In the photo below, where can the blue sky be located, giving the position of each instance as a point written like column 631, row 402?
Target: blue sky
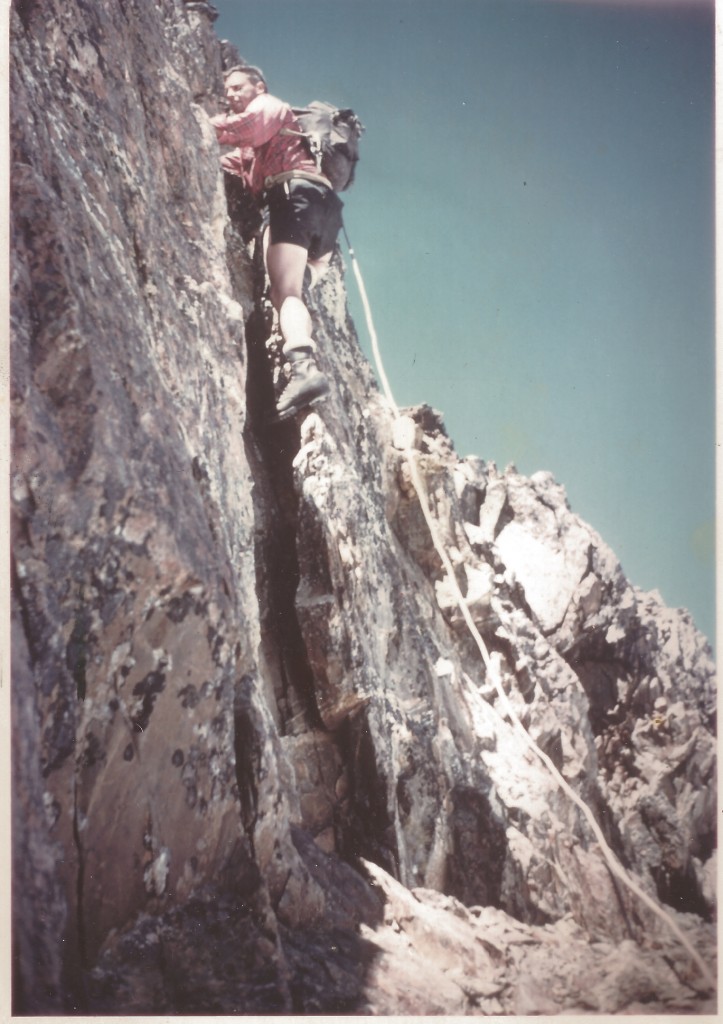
column 533, row 215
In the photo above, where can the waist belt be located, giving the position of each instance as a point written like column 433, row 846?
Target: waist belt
column 286, row 176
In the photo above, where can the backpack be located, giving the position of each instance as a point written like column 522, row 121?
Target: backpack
column 333, row 138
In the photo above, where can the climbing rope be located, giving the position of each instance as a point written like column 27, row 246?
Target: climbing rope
column 492, row 663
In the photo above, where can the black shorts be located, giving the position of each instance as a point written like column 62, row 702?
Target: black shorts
column 309, row 215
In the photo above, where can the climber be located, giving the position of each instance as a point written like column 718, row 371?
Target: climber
column 276, row 165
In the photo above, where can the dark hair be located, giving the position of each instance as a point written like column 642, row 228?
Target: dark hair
column 255, row 74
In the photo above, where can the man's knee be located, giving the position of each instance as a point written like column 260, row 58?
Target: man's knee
column 285, row 264
column 315, row 269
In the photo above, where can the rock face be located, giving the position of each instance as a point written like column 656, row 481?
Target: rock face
column 259, row 765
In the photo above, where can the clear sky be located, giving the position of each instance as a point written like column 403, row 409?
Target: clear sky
column 534, row 218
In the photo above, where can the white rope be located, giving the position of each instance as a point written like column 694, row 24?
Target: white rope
column 493, row 670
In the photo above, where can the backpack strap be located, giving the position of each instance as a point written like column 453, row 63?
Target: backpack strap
column 311, row 142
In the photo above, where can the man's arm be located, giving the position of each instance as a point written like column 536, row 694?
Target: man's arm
column 261, row 120
column 234, row 163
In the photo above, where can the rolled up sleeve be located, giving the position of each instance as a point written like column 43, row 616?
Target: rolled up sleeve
column 261, row 120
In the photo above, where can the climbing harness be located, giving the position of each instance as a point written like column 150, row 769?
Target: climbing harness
column 492, row 663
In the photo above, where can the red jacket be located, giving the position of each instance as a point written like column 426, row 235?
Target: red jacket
column 260, row 149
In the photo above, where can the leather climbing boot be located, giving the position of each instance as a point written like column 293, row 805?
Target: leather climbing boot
column 307, row 385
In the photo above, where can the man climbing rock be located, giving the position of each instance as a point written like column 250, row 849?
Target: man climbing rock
column 275, row 163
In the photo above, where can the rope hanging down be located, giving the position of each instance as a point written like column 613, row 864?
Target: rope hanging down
column 492, row 664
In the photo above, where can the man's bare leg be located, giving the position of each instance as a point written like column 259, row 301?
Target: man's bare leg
column 317, row 268
column 286, row 264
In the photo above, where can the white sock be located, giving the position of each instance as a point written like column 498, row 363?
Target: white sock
column 315, row 275
column 295, row 325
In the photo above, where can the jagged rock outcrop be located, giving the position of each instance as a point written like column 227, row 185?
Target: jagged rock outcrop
column 259, row 765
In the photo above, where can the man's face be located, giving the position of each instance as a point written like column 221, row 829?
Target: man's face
column 240, row 90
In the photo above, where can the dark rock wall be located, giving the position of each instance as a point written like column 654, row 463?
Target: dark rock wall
column 237, row 665
column 133, row 550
